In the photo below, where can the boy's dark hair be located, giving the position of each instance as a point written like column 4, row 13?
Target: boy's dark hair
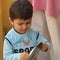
column 21, row 9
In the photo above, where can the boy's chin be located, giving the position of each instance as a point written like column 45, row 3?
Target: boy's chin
column 22, row 32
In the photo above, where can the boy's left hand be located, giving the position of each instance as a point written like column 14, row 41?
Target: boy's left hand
column 43, row 46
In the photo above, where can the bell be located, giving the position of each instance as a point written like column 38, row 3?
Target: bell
column 33, row 54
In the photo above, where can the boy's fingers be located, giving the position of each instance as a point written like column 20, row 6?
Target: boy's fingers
column 24, row 56
column 43, row 46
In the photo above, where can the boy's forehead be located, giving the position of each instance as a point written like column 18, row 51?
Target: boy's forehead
column 22, row 20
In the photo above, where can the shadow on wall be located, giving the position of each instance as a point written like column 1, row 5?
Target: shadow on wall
column 5, row 15
column 4, row 22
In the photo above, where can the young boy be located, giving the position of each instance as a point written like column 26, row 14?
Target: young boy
column 21, row 39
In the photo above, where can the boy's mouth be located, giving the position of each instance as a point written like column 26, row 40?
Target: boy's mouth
column 23, row 31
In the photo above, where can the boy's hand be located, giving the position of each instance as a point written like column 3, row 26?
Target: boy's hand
column 24, row 56
column 43, row 46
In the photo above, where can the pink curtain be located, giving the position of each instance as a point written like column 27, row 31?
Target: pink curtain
column 52, row 7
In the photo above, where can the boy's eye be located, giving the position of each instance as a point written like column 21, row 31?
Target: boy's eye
column 27, row 23
column 20, row 24
column 24, row 23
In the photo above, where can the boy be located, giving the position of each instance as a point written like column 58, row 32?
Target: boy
column 21, row 39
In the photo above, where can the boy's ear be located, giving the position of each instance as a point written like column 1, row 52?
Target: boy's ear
column 10, row 21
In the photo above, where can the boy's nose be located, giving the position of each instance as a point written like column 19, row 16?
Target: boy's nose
column 24, row 26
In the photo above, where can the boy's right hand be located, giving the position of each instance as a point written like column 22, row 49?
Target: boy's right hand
column 24, row 56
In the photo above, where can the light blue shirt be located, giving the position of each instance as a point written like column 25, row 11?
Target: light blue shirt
column 15, row 43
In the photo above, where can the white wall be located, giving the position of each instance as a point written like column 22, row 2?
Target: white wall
column 50, row 29
column 39, row 23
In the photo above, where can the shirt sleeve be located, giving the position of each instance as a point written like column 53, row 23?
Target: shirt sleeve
column 8, row 53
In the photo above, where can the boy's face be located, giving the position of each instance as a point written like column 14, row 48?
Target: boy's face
column 21, row 26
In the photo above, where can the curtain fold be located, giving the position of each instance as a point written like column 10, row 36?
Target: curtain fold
column 52, row 7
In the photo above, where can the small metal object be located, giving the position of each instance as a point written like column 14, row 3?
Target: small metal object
column 33, row 54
